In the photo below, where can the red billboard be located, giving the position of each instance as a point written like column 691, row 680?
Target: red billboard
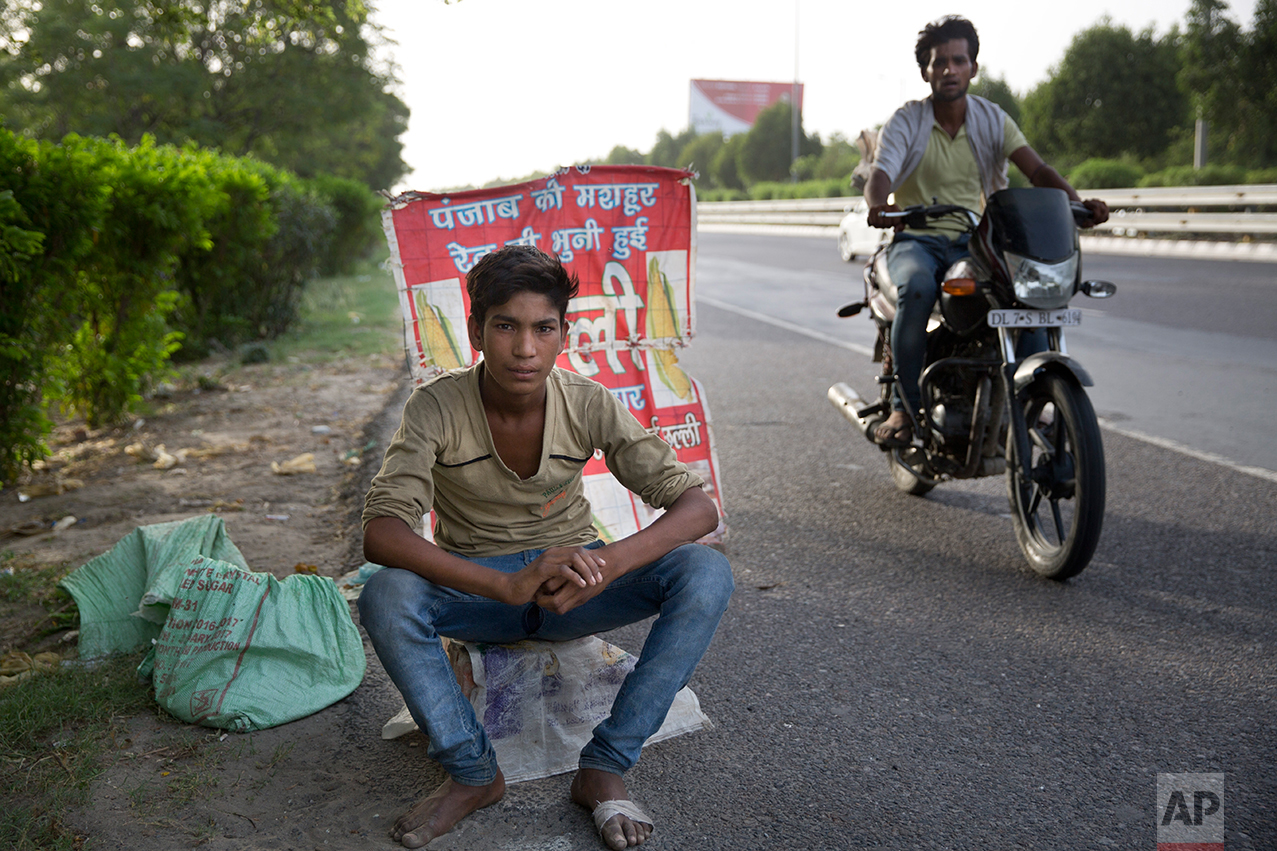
column 731, row 106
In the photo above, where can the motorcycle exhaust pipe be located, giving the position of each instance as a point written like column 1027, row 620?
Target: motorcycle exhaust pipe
column 848, row 402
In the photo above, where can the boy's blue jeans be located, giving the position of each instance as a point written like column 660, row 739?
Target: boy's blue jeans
column 405, row 615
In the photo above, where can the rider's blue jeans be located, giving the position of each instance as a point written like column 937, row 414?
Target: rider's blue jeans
column 405, row 615
column 917, row 264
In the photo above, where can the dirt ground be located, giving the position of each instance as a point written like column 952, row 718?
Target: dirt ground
column 327, row 781
column 308, row 784
column 223, row 437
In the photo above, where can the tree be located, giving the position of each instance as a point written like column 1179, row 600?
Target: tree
column 621, row 155
column 291, row 82
column 1231, row 77
column 768, row 147
column 1113, row 93
column 1259, row 72
column 667, row 148
column 997, row 90
column 723, row 166
column 837, row 159
column 699, row 153
column 1209, row 53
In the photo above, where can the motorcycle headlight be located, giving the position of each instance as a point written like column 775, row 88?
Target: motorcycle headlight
column 1044, row 285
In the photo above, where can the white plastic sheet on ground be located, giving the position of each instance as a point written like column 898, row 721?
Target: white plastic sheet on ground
column 539, row 701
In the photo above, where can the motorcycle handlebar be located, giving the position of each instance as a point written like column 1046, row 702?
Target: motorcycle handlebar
column 931, row 212
column 916, row 216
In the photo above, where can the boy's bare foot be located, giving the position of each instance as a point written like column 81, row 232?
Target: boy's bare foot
column 590, row 788
column 436, row 814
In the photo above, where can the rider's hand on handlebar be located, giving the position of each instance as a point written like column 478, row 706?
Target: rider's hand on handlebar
column 1099, row 212
column 876, row 221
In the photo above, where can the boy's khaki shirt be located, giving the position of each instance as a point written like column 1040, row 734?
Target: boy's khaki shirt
column 443, row 457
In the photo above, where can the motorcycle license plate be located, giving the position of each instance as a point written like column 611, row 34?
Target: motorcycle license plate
column 1035, row 318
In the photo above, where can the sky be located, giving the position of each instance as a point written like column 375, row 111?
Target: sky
column 499, row 89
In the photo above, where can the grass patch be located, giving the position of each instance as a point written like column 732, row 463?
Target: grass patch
column 189, row 768
column 54, row 731
column 55, row 725
column 23, row 581
column 355, row 315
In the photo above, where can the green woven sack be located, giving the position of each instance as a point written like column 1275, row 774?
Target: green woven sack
column 238, row 650
column 110, row 590
column 244, row 651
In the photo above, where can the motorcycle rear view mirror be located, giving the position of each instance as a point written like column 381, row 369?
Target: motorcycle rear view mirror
column 1099, row 289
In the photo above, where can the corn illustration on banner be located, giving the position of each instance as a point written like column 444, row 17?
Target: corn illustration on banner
column 629, row 235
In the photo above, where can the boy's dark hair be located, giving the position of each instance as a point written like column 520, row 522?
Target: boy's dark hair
column 506, row 272
column 945, row 29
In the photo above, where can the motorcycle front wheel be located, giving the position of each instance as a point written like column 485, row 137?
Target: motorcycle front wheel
column 1057, row 497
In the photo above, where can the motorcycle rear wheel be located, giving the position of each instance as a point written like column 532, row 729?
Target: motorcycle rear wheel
column 1057, row 498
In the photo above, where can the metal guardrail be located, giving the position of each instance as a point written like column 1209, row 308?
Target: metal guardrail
column 1190, row 196
column 1123, row 222
column 1130, row 216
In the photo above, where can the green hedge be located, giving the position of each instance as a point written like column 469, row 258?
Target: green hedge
column 721, row 195
column 112, row 259
column 268, row 233
column 1097, row 173
column 1213, row 174
column 836, row 187
column 358, row 225
column 55, row 210
column 1261, row 175
column 774, row 191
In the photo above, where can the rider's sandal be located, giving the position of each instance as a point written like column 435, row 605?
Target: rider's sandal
column 898, row 439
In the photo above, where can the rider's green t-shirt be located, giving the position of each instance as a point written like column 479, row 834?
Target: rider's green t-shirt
column 949, row 174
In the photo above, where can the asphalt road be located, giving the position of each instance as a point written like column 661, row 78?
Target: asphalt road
column 890, row 675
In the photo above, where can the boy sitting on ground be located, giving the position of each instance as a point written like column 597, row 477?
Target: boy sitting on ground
column 497, row 450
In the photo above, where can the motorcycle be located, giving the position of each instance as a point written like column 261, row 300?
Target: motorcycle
column 984, row 411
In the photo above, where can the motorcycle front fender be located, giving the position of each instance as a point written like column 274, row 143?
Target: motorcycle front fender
column 1029, row 369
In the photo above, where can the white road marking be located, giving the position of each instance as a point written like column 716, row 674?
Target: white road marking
column 1174, row 446
column 788, row 326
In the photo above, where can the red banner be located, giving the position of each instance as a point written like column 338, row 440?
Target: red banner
column 629, row 234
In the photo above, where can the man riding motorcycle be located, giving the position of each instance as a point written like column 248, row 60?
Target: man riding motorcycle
column 951, row 148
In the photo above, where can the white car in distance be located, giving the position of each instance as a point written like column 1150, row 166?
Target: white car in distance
column 855, row 237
